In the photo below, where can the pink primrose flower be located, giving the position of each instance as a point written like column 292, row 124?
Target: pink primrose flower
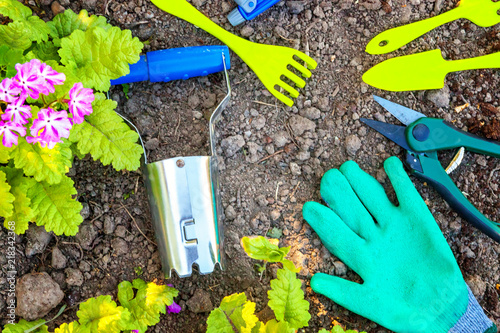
column 17, row 112
column 50, row 127
column 28, row 79
column 37, row 139
column 8, row 130
column 51, row 77
column 80, row 102
column 8, row 92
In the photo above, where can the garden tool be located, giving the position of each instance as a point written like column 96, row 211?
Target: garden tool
column 269, row 62
column 184, row 198
column 175, row 64
column 248, row 10
column 422, row 71
column 411, row 282
column 422, row 138
column 481, row 12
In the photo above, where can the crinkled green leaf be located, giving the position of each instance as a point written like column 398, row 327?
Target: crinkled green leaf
column 150, row 300
column 46, row 51
column 63, row 24
column 261, row 249
column 102, row 315
column 22, row 213
column 23, row 325
column 55, row 208
column 15, row 35
column 43, row 164
column 286, row 299
column 6, row 203
column 72, row 327
column 106, row 137
column 217, row 322
column 235, row 311
column 273, row 326
column 9, row 57
column 14, row 10
column 98, row 56
column 25, row 27
column 5, row 154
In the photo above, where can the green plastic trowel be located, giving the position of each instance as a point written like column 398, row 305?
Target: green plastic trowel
column 422, row 71
column 480, row 12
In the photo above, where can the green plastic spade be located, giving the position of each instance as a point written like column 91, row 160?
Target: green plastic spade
column 481, row 12
column 422, row 71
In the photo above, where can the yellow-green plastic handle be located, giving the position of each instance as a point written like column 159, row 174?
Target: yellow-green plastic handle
column 187, row 12
column 422, row 71
column 392, row 39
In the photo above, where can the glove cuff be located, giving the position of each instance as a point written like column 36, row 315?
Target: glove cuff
column 473, row 320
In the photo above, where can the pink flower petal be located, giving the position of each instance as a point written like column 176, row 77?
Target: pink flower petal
column 8, row 93
column 8, row 130
column 28, row 79
column 80, row 102
column 17, row 112
column 51, row 126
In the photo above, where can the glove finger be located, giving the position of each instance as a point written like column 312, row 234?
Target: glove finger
column 369, row 191
column 407, row 194
column 337, row 237
column 340, row 197
column 350, row 295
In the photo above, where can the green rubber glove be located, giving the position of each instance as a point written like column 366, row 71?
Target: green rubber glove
column 411, row 280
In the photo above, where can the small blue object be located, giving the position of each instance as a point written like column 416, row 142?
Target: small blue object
column 175, row 64
column 249, row 9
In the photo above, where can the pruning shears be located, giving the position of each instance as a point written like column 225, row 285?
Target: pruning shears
column 422, row 138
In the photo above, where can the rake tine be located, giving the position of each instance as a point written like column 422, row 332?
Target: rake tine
column 295, row 78
column 292, row 91
column 310, row 62
column 283, row 98
column 298, row 66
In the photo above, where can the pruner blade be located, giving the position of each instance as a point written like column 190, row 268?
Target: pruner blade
column 402, row 113
column 394, row 133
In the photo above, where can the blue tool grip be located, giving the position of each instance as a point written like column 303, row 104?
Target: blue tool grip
column 175, row 64
column 239, row 15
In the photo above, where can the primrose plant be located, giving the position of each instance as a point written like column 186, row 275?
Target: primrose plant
column 53, row 76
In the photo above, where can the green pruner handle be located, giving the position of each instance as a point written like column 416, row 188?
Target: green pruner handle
column 433, row 173
column 432, row 134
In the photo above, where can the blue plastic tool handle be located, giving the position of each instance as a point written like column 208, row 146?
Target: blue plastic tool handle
column 175, row 64
column 262, row 6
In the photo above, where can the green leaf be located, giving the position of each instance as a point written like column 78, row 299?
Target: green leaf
column 286, row 299
column 25, row 27
column 106, row 137
column 6, row 206
column 46, row 51
column 43, row 164
column 217, row 322
column 63, row 24
column 23, row 325
column 5, row 154
column 150, row 300
column 261, row 249
column 15, row 35
column 14, row 10
column 102, row 315
column 98, row 56
column 275, row 233
column 9, row 57
column 22, row 213
column 55, row 208
column 272, row 326
column 235, row 311
column 72, row 327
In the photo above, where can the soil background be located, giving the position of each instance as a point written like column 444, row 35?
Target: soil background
column 270, row 164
